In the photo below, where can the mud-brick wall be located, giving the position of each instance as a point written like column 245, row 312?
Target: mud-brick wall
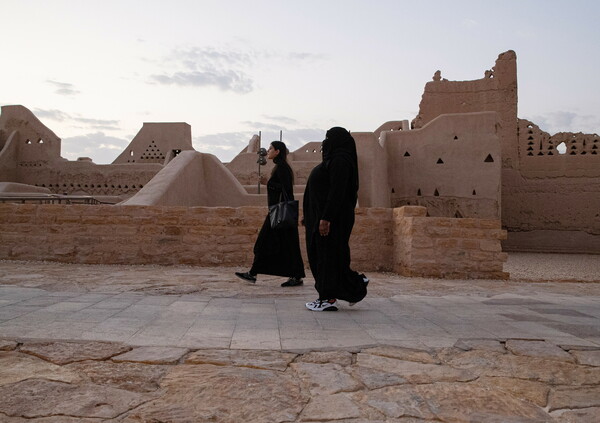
column 446, row 247
column 203, row 236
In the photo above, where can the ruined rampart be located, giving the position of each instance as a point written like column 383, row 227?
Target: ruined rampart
column 550, row 201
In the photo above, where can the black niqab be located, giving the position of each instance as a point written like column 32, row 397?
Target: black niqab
column 338, row 143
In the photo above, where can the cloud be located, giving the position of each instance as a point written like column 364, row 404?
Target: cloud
column 278, row 123
column 107, row 125
column 53, row 114
column 226, row 80
column 263, row 126
column 227, row 70
column 77, row 121
column 283, row 119
column 205, row 67
column 224, row 145
column 305, row 57
column 564, row 121
column 101, row 148
column 63, row 88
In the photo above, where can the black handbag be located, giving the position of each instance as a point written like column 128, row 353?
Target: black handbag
column 284, row 214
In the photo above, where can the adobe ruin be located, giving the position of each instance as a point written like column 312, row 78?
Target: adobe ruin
column 466, row 155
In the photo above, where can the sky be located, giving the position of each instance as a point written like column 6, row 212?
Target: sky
column 95, row 71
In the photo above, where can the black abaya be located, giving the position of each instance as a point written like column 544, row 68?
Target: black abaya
column 277, row 252
column 331, row 194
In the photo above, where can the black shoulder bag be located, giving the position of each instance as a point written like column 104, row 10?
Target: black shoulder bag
column 285, row 213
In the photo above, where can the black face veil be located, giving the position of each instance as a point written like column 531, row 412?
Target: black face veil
column 338, row 143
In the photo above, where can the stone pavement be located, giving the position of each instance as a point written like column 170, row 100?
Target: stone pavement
column 196, row 321
column 151, row 343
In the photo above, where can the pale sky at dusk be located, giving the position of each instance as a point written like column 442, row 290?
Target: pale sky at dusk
column 94, row 71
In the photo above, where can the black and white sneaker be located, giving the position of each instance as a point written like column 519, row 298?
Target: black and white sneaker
column 246, row 276
column 322, row 305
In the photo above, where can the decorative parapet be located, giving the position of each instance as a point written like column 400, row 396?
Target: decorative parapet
column 567, row 154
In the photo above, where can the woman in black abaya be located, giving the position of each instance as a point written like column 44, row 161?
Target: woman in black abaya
column 277, row 251
column 329, row 202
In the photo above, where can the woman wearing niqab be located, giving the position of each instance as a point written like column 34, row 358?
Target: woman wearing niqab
column 329, row 201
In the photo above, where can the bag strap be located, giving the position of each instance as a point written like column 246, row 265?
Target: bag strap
column 283, row 195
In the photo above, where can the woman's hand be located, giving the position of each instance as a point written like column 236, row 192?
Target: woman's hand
column 324, row 227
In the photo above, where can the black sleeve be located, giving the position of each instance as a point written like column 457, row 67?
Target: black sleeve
column 282, row 181
column 339, row 178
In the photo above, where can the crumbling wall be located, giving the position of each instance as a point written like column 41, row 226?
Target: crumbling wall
column 554, row 201
column 550, row 201
column 496, row 92
column 451, row 166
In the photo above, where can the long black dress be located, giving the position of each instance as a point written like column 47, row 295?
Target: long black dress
column 277, row 252
column 331, row 194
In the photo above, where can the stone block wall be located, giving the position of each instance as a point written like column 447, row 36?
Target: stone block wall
column 402, row 240
column 201, row 236
column 446, row 247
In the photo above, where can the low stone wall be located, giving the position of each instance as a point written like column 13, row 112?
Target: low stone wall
column 202, row 236
column 401, row 240
column 446, row 247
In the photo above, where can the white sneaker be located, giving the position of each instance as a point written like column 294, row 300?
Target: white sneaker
column 322, row 305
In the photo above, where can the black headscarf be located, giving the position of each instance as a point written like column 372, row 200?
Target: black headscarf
column 338, row 143
column 281, row 158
